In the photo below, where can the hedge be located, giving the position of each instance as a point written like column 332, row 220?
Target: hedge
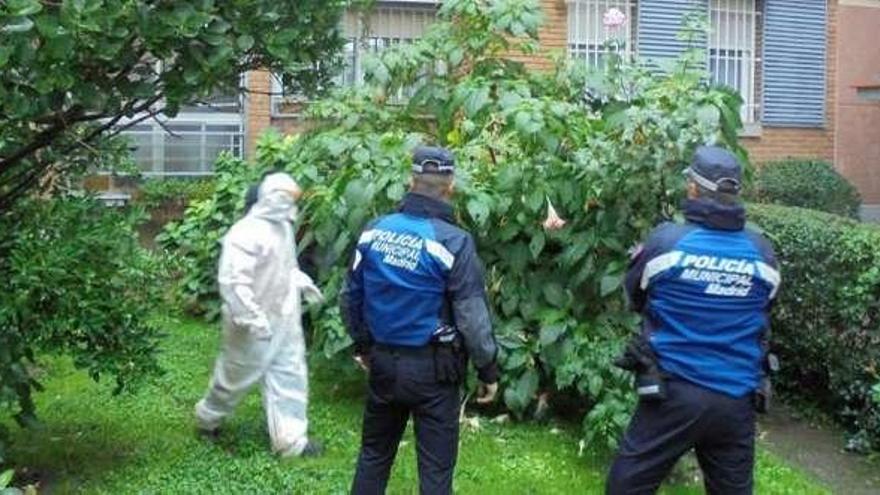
column 826, row 326
column 806, row 183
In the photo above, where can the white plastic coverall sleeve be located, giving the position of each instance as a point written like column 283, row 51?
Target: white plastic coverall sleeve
column 238, row 262
column 261, row 285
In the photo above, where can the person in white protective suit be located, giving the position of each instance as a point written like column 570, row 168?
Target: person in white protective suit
column 262, row 287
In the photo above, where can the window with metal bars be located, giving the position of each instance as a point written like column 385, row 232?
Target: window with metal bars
column 588, row 37
column 388, row 24
column 734, row 57
column 385, row 26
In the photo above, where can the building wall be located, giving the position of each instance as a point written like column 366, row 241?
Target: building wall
column 258, row 109
column 553, row 36
column 775, row 143
column 858, row 133
column 772, row 143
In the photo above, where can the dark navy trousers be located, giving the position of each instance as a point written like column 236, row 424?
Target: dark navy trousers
column 402, row 383
column 720, row 428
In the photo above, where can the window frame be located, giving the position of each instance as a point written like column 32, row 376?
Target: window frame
column 356, row 48
column 591, row 48
column 159, row 135
column 747, row 60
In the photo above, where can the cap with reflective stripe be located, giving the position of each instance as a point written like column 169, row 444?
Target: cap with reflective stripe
column 716, row 169
column 433, row 160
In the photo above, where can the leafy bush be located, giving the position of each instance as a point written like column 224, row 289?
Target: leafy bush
column 76, row 282
column 826, row 325
column 610, row 162
column 159, row 193
column 809, row 184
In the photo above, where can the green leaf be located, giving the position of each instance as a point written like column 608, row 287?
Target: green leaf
column 245, row 42
column 537, row 244
column 356, row 192
column 550, row 334
column 610, row 283
column 18, row 26
column 520, row 393
column 20, row 8
column 361, row 155
column 595, row 385
column 555, row 294
column 517, row 256
column 709, row 115
column 476, row 101
column 6, row 478
column 395, row 191
column 478, row 210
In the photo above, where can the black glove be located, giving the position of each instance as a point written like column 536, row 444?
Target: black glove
column 639, row 358
column 764, row 394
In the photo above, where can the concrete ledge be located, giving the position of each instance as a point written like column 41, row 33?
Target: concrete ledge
column 871, row 213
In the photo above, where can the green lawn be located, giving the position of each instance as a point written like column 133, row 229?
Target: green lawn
column 92, row 442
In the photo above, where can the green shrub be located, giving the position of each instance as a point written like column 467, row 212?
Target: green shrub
column 826, row 324
column 75, row 282
column 611, row 165
column 808, row 184
column 159, row 193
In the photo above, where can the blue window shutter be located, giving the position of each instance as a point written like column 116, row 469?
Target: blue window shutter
column 660, row 21
column 794, row 63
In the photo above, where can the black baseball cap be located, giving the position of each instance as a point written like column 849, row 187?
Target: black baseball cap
column 716, row 169
column 433, row 160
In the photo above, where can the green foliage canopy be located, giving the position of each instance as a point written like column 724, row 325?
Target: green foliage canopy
column 75, row 282
column 610, row 160
column 75, row 69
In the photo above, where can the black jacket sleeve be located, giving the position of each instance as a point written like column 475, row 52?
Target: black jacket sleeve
column 636, row 295
column 467, row 293
column 351, row 302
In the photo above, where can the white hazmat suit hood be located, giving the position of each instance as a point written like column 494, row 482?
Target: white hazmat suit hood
column 261, row 287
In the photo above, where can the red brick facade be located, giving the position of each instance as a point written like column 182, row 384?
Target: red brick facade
column 772, row 143
column 857, row 140
column 258, row 108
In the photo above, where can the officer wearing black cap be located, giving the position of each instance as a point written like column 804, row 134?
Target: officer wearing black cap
column 415, row 305
column 704, row 289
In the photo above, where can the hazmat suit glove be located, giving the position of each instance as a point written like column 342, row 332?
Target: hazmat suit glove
column 313, row 294
column 304, row 283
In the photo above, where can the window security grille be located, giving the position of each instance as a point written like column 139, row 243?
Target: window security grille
column 733, row 53
column 370, row 33
column 588, row 37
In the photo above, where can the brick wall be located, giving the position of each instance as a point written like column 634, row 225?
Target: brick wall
column 258, row 108
column 553, row 36
column 773, row 143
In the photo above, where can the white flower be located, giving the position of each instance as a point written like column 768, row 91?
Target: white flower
column 614, row 18
column 553, row 220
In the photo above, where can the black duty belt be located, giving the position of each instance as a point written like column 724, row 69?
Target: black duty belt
column 401, row 350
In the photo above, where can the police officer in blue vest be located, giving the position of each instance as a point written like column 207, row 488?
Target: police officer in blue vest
column 704, row 289
column 415, row 306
